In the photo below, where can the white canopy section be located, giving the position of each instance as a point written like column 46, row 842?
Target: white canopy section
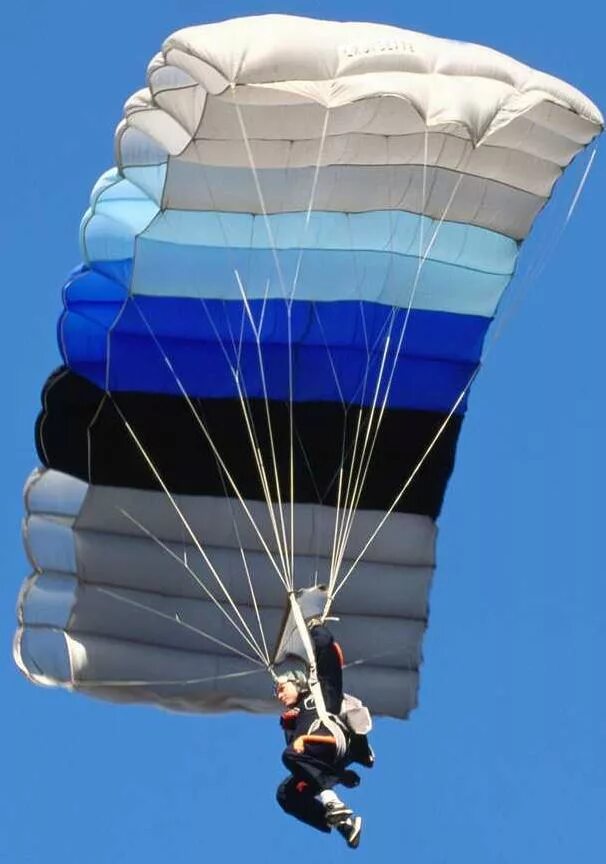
column 371, row 105
column 113, row 608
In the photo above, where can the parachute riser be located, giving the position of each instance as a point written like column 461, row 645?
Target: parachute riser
column 314, row 684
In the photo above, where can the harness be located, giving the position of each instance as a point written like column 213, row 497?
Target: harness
column 335, row 725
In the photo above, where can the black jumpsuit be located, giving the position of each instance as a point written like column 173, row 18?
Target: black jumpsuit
column 318, row 767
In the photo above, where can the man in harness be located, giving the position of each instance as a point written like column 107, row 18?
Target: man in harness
column 319, row 751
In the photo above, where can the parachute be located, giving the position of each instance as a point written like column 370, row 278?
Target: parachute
column 286, row 286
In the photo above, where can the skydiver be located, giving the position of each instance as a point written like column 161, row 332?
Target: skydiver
column 311, row 755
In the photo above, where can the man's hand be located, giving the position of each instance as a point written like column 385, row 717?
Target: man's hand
column 298, row 745
column 316, row 621
column 288, row 719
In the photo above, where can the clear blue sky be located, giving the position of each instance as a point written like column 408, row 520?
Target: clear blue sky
column 505, row 760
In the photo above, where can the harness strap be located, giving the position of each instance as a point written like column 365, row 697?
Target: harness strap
column 334, row 726
column 325, row 718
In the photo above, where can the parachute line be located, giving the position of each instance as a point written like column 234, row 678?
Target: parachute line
column 247, row 413
column 89, row 443
column 248, row 420
column 45, row 413
column 253, row 167
column 166, row 548
column 366, row 462
column 212, row 445
column 361, row 661
column 253, row 644
column 289, row 575
column 175, row 619
column 581, row 185
column 289, row 297
column 367, row 452
column 253, row 595
column 174, row 682
column 281, row 542
column 110, row 332
column 515, row 297
column 531, row 276
column 398, row 497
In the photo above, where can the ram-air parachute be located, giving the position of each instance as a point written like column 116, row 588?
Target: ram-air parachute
column 287, row 282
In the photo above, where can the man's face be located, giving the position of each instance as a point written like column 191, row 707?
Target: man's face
column 287, row 693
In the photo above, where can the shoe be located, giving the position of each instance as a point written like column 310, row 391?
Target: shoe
column 370, row 759
column 336, row 812
column 361, row 751
column 350, row 779
column 350, row 829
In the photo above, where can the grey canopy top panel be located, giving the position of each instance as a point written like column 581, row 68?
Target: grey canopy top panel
column 286, row 95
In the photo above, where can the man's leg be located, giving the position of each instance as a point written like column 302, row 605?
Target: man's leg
column 316, row 766
column 297, row 798
column 315, row 773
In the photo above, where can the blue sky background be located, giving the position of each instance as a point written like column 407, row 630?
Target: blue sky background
column 505, row 760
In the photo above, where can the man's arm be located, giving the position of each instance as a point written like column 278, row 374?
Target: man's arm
column 329, row 661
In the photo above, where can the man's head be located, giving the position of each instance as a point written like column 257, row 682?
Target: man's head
column 290, row 686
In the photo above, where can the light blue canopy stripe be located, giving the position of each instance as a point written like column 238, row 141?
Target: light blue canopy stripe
column 366, row 256
column 379, row 231
column 317, row 275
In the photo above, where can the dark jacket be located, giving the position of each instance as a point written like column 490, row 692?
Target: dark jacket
column 329, row 660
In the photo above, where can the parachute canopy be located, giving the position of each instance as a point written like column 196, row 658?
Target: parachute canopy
column 286, row 285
